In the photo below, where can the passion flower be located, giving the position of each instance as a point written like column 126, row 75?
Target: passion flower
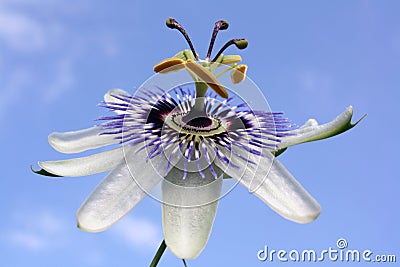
column 188, row 139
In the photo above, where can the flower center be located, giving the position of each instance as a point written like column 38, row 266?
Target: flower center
column 188, row 123
column 192, row 132
column 199, row 122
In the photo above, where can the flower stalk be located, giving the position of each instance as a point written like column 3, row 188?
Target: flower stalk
column 158, row 255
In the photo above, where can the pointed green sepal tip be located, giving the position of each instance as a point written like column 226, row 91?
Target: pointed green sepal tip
column 241, row 43
column 44, row 172
column 312, row 131
column 276, row 153
column 347, row 125
column 351, row 125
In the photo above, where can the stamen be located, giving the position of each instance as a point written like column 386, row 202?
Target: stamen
column 169, row 65
column 238, row 74
column 239, row 43
column 207, row 77
column 219, row 25
column 173, row 24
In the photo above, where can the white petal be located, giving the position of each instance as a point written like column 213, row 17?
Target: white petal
column 273, row 184
column 91, row 138
column 109, row 98
column 82, row 140
column 311, row 131
column 100, row 162
column 120, row 191
column 189, row 208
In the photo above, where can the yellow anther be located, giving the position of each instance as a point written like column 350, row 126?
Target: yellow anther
column 169, row 65
column 238, row 74
column 207, row 77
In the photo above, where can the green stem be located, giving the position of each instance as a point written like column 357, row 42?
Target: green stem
column 158, row 255
column 201, row 89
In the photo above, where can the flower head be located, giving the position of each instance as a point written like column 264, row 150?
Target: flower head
column 177, row 133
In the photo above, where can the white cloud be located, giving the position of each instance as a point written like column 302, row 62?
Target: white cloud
column 21, row 83
column 26, row 239
column 37, row 231
column 316, row 89
column 39, row 60
column 21, row 32
column 21, row 35
column 50, row 5
column 313, row 80
column 139, row 233
column 12, row 89
column 94, row 258
column 62, row 81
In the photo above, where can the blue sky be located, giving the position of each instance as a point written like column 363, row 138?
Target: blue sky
column 310, row 58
